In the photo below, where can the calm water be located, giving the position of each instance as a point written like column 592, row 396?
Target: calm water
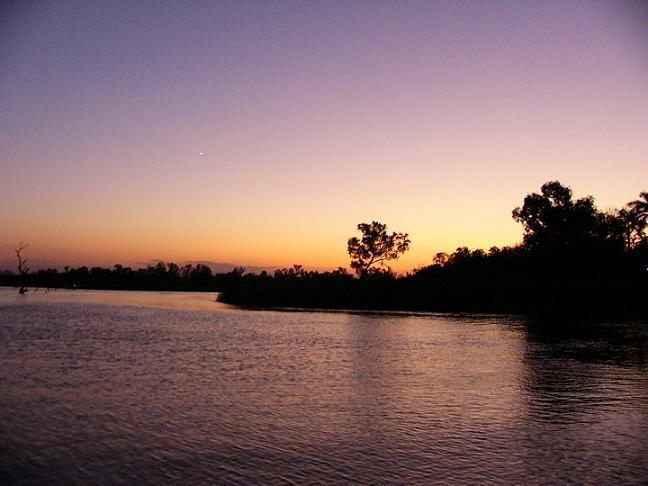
column 106, row 387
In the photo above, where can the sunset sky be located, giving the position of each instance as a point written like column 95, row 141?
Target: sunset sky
column 261, row 133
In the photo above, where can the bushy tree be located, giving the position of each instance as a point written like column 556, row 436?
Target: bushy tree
column 375, row 247
column 554, row 222
column 552, row 219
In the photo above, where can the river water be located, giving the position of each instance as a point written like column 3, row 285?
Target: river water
column 132, row 387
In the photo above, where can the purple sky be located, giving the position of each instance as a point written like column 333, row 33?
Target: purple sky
column 433, row 117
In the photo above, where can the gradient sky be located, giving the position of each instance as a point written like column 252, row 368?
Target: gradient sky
column 436, row 118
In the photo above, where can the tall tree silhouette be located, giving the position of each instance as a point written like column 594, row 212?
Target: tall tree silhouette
column 553, row 220
column 375, row 247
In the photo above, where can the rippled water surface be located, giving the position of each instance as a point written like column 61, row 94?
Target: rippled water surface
column 105, row 387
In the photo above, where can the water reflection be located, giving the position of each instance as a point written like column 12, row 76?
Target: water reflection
column 576, row 385
column 162, row 299
column 146, row 389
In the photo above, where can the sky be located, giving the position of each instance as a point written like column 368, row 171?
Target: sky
column 261, row 133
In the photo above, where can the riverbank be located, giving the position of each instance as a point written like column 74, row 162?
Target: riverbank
column 585, row 297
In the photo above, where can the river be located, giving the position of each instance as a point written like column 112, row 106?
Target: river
column 130, row 387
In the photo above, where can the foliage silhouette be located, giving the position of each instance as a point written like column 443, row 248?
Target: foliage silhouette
column 552, row 221
column 574, row 260
column 375, row 247
column 635, row 221
column 162, row 276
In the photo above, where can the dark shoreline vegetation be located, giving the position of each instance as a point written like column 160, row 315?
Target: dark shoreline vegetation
column 574, row 260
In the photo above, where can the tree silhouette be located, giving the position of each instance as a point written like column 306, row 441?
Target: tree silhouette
column 640, row 205
column 553, row 220
column 636, row 220
column 376, row 246
column 23, row 269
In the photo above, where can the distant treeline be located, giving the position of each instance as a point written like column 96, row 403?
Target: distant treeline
column 162, row 276
column 574, row 259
